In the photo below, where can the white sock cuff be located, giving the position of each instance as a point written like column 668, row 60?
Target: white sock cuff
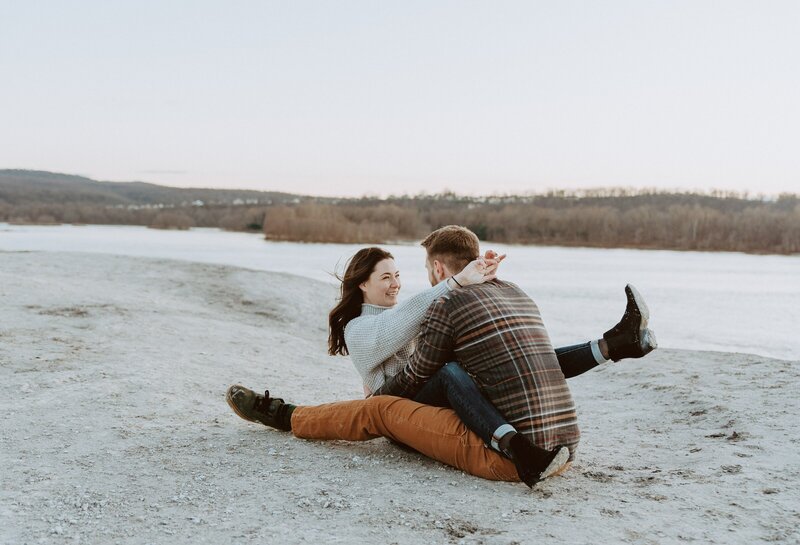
column 499, row 433
column 598, row 356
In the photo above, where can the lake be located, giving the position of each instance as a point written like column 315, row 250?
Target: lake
column 698, row 300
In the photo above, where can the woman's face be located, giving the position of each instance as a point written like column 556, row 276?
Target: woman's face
column 383, row 284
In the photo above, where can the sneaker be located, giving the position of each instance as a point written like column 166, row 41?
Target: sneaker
column 630, row 338
column 270, row 411
column 535, row 464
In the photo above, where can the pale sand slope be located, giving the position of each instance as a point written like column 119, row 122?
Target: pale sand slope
column 114, row 428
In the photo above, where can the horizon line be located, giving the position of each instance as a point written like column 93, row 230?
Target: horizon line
column 569, row 192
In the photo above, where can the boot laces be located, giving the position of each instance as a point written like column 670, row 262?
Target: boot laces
column 264, row 404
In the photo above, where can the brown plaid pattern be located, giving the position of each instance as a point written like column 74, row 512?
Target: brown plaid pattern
column 495, row 331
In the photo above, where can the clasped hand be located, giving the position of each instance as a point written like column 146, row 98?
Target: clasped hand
column 481, row 269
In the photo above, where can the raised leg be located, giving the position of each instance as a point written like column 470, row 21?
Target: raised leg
column 576, row 359
column 630, row 338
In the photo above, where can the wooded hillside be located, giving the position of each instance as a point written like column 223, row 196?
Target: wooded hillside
column 609, row 218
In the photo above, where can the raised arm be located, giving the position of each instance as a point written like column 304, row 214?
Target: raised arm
column 371, row 339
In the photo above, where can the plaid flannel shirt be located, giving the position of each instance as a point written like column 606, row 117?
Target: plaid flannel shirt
column 495, row 332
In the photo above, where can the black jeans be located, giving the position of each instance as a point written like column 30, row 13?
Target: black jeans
column 452, row 387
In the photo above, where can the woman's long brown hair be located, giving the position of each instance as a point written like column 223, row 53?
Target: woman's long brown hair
column 351, row 298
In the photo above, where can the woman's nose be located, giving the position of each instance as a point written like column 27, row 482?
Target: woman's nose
column 395, row 283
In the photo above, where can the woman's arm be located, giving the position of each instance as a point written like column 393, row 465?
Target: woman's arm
column 372, row 339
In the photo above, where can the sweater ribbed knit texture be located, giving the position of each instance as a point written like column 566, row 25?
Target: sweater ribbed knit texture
column 381, row 340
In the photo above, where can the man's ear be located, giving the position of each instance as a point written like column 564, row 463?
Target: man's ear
column 438, row 268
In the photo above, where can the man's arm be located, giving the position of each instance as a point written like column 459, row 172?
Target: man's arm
column 434, row 349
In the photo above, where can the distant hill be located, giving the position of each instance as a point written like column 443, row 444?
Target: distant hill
column 603, row 218
column 24, row 187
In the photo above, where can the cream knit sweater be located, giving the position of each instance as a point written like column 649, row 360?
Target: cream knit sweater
column 381, row 339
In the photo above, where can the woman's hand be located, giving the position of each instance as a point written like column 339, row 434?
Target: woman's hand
column 480, row 270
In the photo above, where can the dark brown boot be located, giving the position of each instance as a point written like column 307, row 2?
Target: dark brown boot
column 630, row 338
column 273, row 412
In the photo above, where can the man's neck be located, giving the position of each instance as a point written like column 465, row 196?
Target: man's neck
column 445, row 274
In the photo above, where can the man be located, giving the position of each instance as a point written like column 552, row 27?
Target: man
column 495, row 332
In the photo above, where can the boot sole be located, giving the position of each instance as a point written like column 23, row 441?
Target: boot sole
column 556, row 464
column 649, row 341
column 233, row 406
column 563, row 469
column 638, row 300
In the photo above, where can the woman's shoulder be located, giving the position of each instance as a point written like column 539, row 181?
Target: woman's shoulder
column 356, row 324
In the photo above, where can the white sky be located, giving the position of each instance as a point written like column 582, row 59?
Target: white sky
column 348, row 98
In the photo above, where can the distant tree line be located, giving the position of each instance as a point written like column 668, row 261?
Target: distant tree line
column 231, row 217
column 600, row 218
column 620, row 220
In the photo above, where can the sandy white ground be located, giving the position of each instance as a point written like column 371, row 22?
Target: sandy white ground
column 114, row 428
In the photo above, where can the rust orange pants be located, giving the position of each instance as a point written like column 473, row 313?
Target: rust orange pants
column 434, row 431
